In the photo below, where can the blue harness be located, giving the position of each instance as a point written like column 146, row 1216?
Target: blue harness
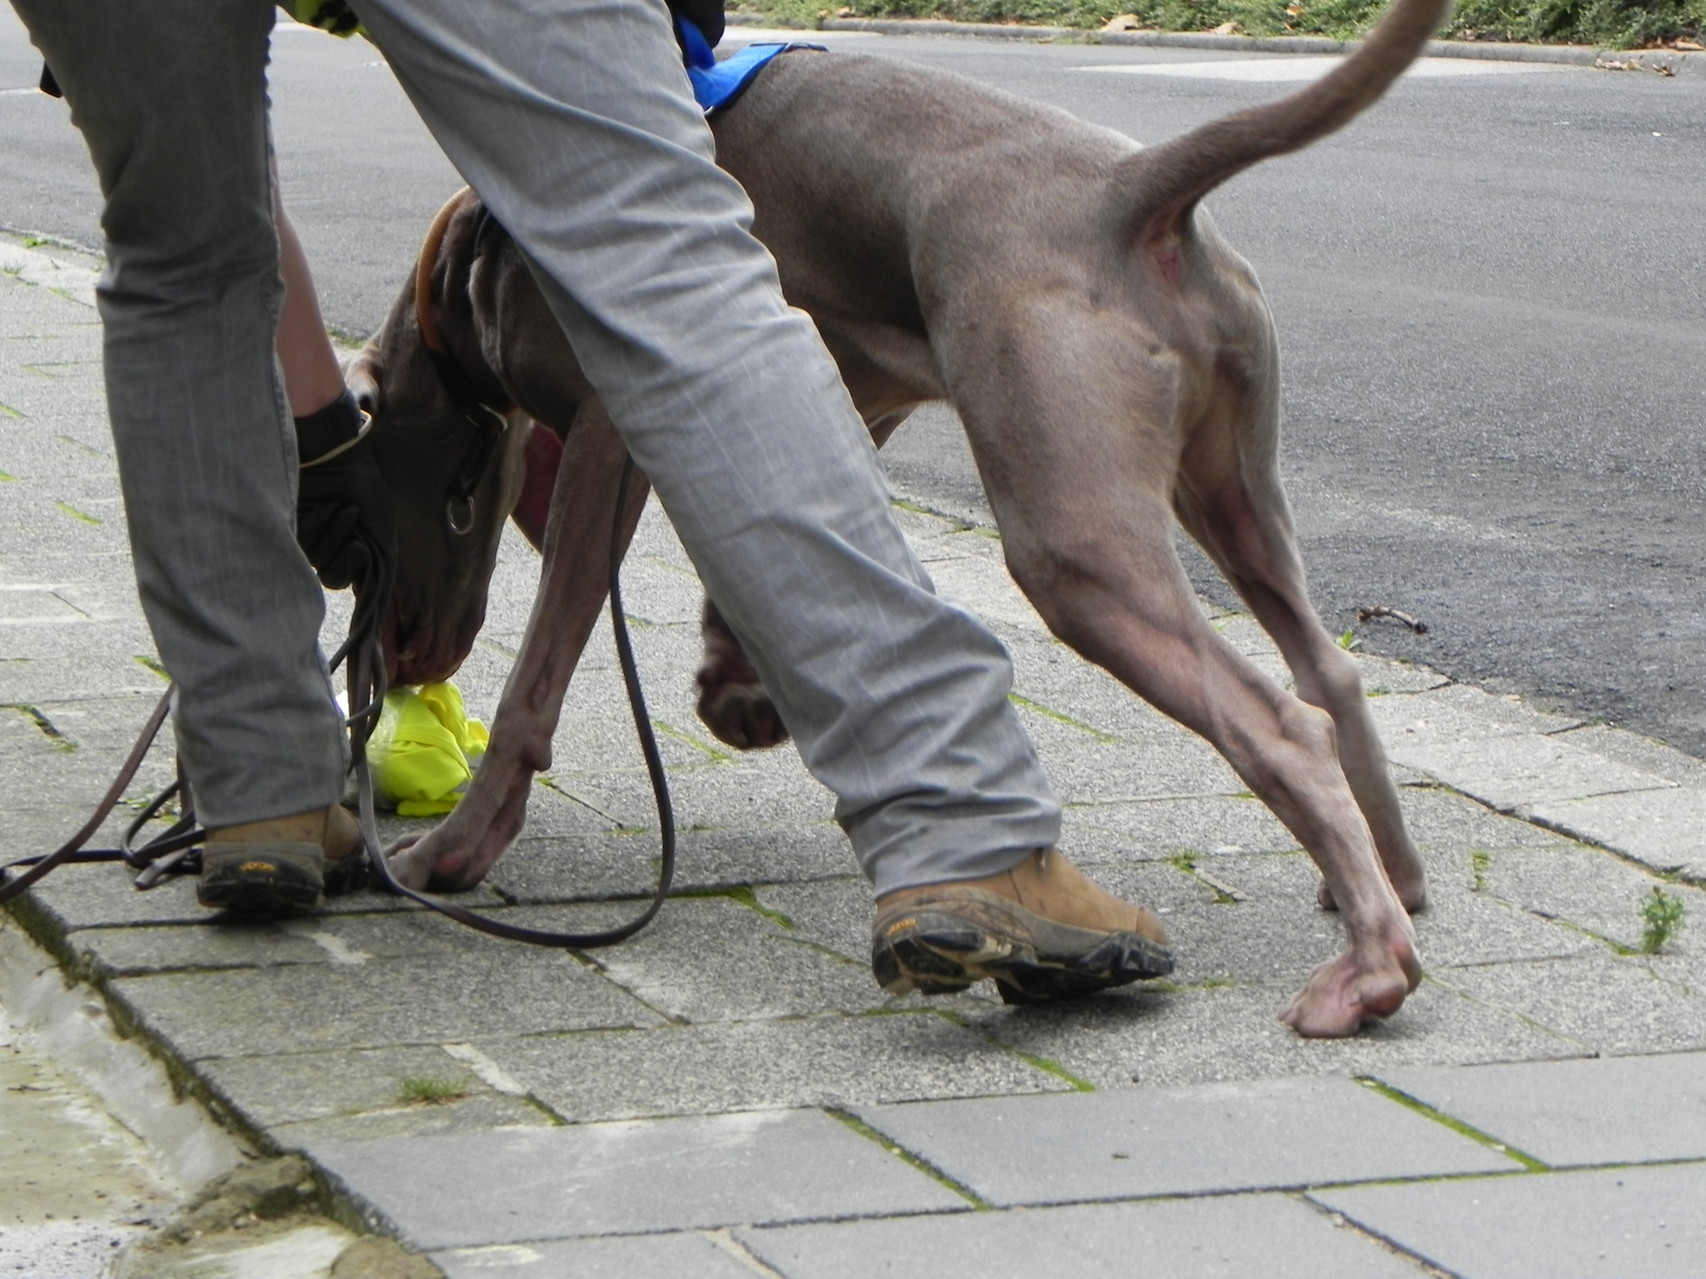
column 717, row 84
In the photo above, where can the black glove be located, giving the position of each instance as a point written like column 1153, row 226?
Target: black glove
column 343, row 507
column 707, row 15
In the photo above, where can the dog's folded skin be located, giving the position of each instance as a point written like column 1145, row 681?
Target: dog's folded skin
column 1116, row 369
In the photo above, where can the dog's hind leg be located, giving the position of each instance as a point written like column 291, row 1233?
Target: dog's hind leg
column 573, row 584
column 1239, row 514
column 1084, row 502
column 1120, row 598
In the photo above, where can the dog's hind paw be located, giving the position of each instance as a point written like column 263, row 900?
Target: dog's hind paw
column 740, row 715
column 1346, row 994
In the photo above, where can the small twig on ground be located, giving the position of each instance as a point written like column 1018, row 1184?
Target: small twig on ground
column 1382, row 610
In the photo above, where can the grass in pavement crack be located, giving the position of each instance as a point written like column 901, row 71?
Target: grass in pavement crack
column 1044, row 1064
column 1662, row 914
column 48, row 728
column 1456, row 1125
column 900, row 1152
column 75, row 514
column 688, row 739
column 743, row 894
column 1061, row 717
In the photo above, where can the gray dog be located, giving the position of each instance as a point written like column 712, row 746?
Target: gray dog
column 1114, row 364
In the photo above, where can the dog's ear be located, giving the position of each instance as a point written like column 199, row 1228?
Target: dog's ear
column 362, row 376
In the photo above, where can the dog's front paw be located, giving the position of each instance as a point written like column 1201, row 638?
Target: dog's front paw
column 417, row 862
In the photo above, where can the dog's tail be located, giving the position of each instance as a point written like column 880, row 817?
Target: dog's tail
column 1167, row 180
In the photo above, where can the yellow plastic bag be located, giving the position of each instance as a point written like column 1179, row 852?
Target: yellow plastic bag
column 424, row 750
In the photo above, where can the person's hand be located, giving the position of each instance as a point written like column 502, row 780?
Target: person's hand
column 343, row 506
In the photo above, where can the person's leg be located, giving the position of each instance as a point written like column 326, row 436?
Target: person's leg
column 170, row 97
column 573, row 122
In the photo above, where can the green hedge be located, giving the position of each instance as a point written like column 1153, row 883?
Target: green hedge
column 1624, row 24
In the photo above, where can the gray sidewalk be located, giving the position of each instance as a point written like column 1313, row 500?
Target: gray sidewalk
column 730, row 1093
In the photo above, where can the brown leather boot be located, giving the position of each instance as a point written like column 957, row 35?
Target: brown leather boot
column 1042, row 931
column 276, row 866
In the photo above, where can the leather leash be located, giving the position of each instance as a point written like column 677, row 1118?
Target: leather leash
column 486, row 420
column 177, row 850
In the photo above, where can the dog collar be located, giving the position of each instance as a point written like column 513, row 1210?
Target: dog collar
column 716, row 84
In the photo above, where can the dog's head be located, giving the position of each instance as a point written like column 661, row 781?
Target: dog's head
column 427, row 449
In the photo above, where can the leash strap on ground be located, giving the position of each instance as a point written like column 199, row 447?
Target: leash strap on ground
column 72, row 850
column 362, row 676
column 177, row 851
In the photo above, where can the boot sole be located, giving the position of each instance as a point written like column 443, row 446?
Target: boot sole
column 944, row 947
column 261, row 880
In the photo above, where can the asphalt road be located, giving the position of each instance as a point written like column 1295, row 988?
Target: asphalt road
column 1490, row 295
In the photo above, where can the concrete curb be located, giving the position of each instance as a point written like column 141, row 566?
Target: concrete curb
column 39, row 266
column 69, row 1025
column 1666, row 62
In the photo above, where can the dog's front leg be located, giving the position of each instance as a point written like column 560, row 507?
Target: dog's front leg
column 574, row 576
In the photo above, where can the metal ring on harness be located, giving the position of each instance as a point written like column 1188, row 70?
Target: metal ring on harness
column 461, row 522
column 489, row 426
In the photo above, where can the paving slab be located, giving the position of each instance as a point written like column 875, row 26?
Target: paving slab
column 1660, row 829
column 1583, row 1225
column 292, row 1008
column 751, row 1065
column 1604, row 1003
column 714, row 959
column 1255, row 919
column 478, row 1112
column 1205, row 826
column 1521, row 771
column 104, row 895
column 548, row 867
column 1086, row 771
column 1224, row 1237
column 1457, row 712
column 1049, row 674
column 300, row 1087
column 1436, row 816
column 628, row 1178
column 301, row 1098
column 1602, row 1111
column 635, row 1257
column 1641, row 752
column 73, row 678
column 1586, row 887
column 1267, row 1135
column 1146, row 1037
column 710, row 794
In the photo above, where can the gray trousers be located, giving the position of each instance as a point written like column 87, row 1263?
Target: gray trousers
column 574, row 122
